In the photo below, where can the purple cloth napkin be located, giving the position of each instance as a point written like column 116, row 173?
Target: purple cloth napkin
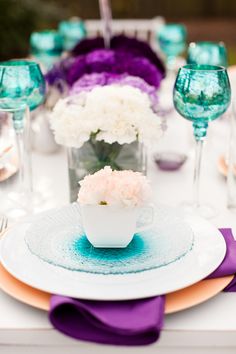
column 133, row 322
column 228, row 266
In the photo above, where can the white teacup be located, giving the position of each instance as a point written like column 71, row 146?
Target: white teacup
column 112, row 226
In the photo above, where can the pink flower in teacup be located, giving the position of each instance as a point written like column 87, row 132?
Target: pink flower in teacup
column 121, row 188
column 110, row 203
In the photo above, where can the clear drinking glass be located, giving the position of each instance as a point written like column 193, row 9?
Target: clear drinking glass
column 202, row 93
column 22, row 88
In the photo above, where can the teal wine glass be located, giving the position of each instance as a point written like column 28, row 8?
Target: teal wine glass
column 46, row 47
column 207, row 53
column 22, row 88
column 72, row 32
column 172, row 41
column 201, row 94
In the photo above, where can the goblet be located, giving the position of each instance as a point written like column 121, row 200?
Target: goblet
column 207, row 53
column 46, row 47
column 201, row 94
column 172, row 41
column 22, row 87
column 72, row 32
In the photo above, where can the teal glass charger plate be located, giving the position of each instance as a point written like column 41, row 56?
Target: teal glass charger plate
column 58, row 238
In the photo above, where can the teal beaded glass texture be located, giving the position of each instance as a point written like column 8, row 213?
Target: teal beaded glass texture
column 72, row 32
column 172, row 41
column 207, row 53
column 46, row 47
column 201, row 94
column 22, row 88
column 21, row 84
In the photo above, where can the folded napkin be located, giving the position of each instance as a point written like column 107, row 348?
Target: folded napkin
column 228, row 266
column 133, row 322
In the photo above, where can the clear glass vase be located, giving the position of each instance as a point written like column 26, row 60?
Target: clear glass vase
column 95, row 155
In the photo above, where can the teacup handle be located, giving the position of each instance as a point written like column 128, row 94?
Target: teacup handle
column 149, row 224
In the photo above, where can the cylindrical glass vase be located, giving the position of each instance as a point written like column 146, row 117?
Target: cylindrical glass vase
column 95, row 155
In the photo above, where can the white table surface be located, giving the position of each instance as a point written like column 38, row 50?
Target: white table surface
column 206, row 328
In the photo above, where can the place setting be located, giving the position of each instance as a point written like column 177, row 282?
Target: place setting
column 110, row 263
column 63, row 252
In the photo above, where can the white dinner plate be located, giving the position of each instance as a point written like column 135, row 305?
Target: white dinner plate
column 207, row 253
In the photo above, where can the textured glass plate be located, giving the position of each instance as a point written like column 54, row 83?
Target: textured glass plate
column 58, row 239
column 207, row 253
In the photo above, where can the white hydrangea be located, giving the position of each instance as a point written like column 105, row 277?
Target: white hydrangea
column 113, row 113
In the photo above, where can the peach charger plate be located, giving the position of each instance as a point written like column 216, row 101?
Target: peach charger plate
column 176, row 301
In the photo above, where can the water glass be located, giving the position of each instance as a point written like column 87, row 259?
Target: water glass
column 22, row 88
column 202, row 94
column 46, row 47
column 72, row 32
column 207, row 53
column 172, row 41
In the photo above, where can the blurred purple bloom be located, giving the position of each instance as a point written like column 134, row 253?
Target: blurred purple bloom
column 127, row 56
column 105, row 60
column 87, row 45
column 89, row 81
column 129, row 45
column 59, row 71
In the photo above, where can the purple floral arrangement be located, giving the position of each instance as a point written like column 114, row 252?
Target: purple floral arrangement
column 88, row 81
column 131, row 45
column 110, row 61
column 127, row 55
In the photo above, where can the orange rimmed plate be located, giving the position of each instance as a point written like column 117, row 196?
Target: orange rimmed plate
column 176, row 301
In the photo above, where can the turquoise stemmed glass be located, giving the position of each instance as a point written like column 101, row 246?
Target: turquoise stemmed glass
column 207, row 53
column 172, row 41
column 46, row 47
column 22, row 88
column 201, row 94
column 72, row 32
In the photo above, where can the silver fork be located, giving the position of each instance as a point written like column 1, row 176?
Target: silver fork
column 3, row 224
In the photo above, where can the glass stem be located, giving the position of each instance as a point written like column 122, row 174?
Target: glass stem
column 21, row 122
column 200, row 131
column 197, row 171
column 171, row 60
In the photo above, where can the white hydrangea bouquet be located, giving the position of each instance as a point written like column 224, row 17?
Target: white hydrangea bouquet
column 105, row 127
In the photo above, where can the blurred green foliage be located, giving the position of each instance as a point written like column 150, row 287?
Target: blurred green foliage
column 18, row 18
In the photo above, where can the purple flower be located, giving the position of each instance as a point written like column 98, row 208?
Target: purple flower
column 89, row 81
column 143, row 68
column 129, row 45
column 128, row 56
column 59, row 71
column 87, row 45
column 105, row 60
column 138, row 48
